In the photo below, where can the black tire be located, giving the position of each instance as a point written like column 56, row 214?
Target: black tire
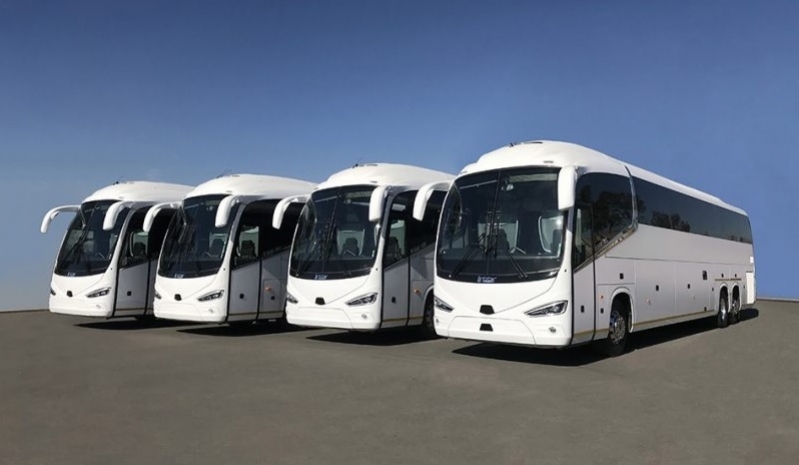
column 428, row 328
column 735, row 310
column 723, row 316
column 144, row 318
column 618, row 331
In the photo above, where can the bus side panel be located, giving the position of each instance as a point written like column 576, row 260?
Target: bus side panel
column 654, row 291
column 395, row 294
column 132, row 288
column 690, row 289
column 422, row 273
column 612, row 273
column 273, row 285
column 243, row 299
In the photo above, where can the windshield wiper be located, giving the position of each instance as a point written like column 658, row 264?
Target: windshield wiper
column 476, row 245
column 519, row 269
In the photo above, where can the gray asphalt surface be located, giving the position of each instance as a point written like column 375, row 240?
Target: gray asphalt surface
column 80, row 391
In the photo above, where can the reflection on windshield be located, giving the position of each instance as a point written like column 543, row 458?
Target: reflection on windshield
column 193, row 246
column 88, row 249
column 335, row 238
column 502, row 226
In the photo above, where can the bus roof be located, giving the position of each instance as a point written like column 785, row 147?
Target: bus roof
column 252, row 184
column 559, row 154
column 384, row 174
column 140, row 191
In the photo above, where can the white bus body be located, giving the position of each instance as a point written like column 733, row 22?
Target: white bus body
column 97, row 274
column 222, row 261
column 637, row 251
column 359, row 260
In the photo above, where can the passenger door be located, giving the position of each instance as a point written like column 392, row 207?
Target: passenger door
column 133, row 275
column 584, row 283
column 396, row 268
column 245, row 266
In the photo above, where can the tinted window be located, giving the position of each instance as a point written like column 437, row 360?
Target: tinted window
column 611, row 201
column 136, row 242
column 423, row 233
column 664, row 208
column 396, row 247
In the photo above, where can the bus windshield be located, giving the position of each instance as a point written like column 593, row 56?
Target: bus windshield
column 335, row 239
column 193, row 246
column 502, row 226
column 88, row 249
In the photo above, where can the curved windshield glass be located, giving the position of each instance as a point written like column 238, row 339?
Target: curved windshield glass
column 88, row 249
column 501, row 226
column 335, row 238
column 193, row 246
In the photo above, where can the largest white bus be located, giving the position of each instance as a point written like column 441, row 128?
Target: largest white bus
column 222, row 261
column 106, row 264
column 359, row 260
column 553, row 244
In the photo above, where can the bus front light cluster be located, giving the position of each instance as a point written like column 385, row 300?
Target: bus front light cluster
column 157, row 295
column 441, row 305
column 290, row 298
column 363, row 300
column 52, row 292
column 556, row 308
column 99, row 293
column 211, row 296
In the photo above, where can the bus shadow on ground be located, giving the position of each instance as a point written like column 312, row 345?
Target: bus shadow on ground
column 385, row 338
column 133, row 325
column 587, row 354
column 255, row 329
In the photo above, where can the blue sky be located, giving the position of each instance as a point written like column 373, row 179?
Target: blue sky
column 705, row 93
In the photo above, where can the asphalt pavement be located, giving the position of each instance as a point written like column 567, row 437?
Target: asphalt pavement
column 82, row 391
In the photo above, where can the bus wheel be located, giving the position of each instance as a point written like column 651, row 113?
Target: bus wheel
column 723, row 317
column 618, row 331
column 428, row 319
column 735, row 310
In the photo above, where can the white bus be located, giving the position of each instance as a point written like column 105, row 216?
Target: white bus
column 106, row 264
column 552, row 244
column 359, row 260
column 222, row 261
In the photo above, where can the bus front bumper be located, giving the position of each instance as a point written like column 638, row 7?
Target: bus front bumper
column 191, row 311
column 331, row 317
column 506, row 331
column 98, row 307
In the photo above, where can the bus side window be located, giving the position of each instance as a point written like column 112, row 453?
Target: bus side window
column 136, row 244
column 155, row 238
column 277, row 241
column 396, row 238
column 248, row 235
column 423, row 233
column 583, row 242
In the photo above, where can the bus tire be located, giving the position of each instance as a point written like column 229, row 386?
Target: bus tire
column 735, row 308
column 428, row 318
column 618, row 331
column 723, row 316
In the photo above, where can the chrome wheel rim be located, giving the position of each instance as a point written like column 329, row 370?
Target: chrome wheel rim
column 723, row 310
column 618, row 327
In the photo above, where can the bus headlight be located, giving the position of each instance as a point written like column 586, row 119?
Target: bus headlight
column 52, row 292
column 441, row 305
column 290, row 298
column 99, row 293
column 556, row 308
column 211, row 296
column 157, row 295
column 363, row 300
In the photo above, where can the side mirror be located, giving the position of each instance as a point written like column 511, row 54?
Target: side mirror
column 111, row 215
column 50, row 216
column 223, row 211
column 566, row 184
column 376, row 203
column 423, row 196
column 283, row 205
column 153, row 212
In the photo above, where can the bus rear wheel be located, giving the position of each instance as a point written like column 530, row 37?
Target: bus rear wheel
column 723, row 316
column 618, row 331
column 735, row 310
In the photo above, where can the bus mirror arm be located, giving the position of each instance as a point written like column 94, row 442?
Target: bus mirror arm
column 112, row 213
column 153, row 212
column 283, row 205
column 376, row 203
column 566, row 184
column 424, row 194
column 223, row 211
column 50, row 216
